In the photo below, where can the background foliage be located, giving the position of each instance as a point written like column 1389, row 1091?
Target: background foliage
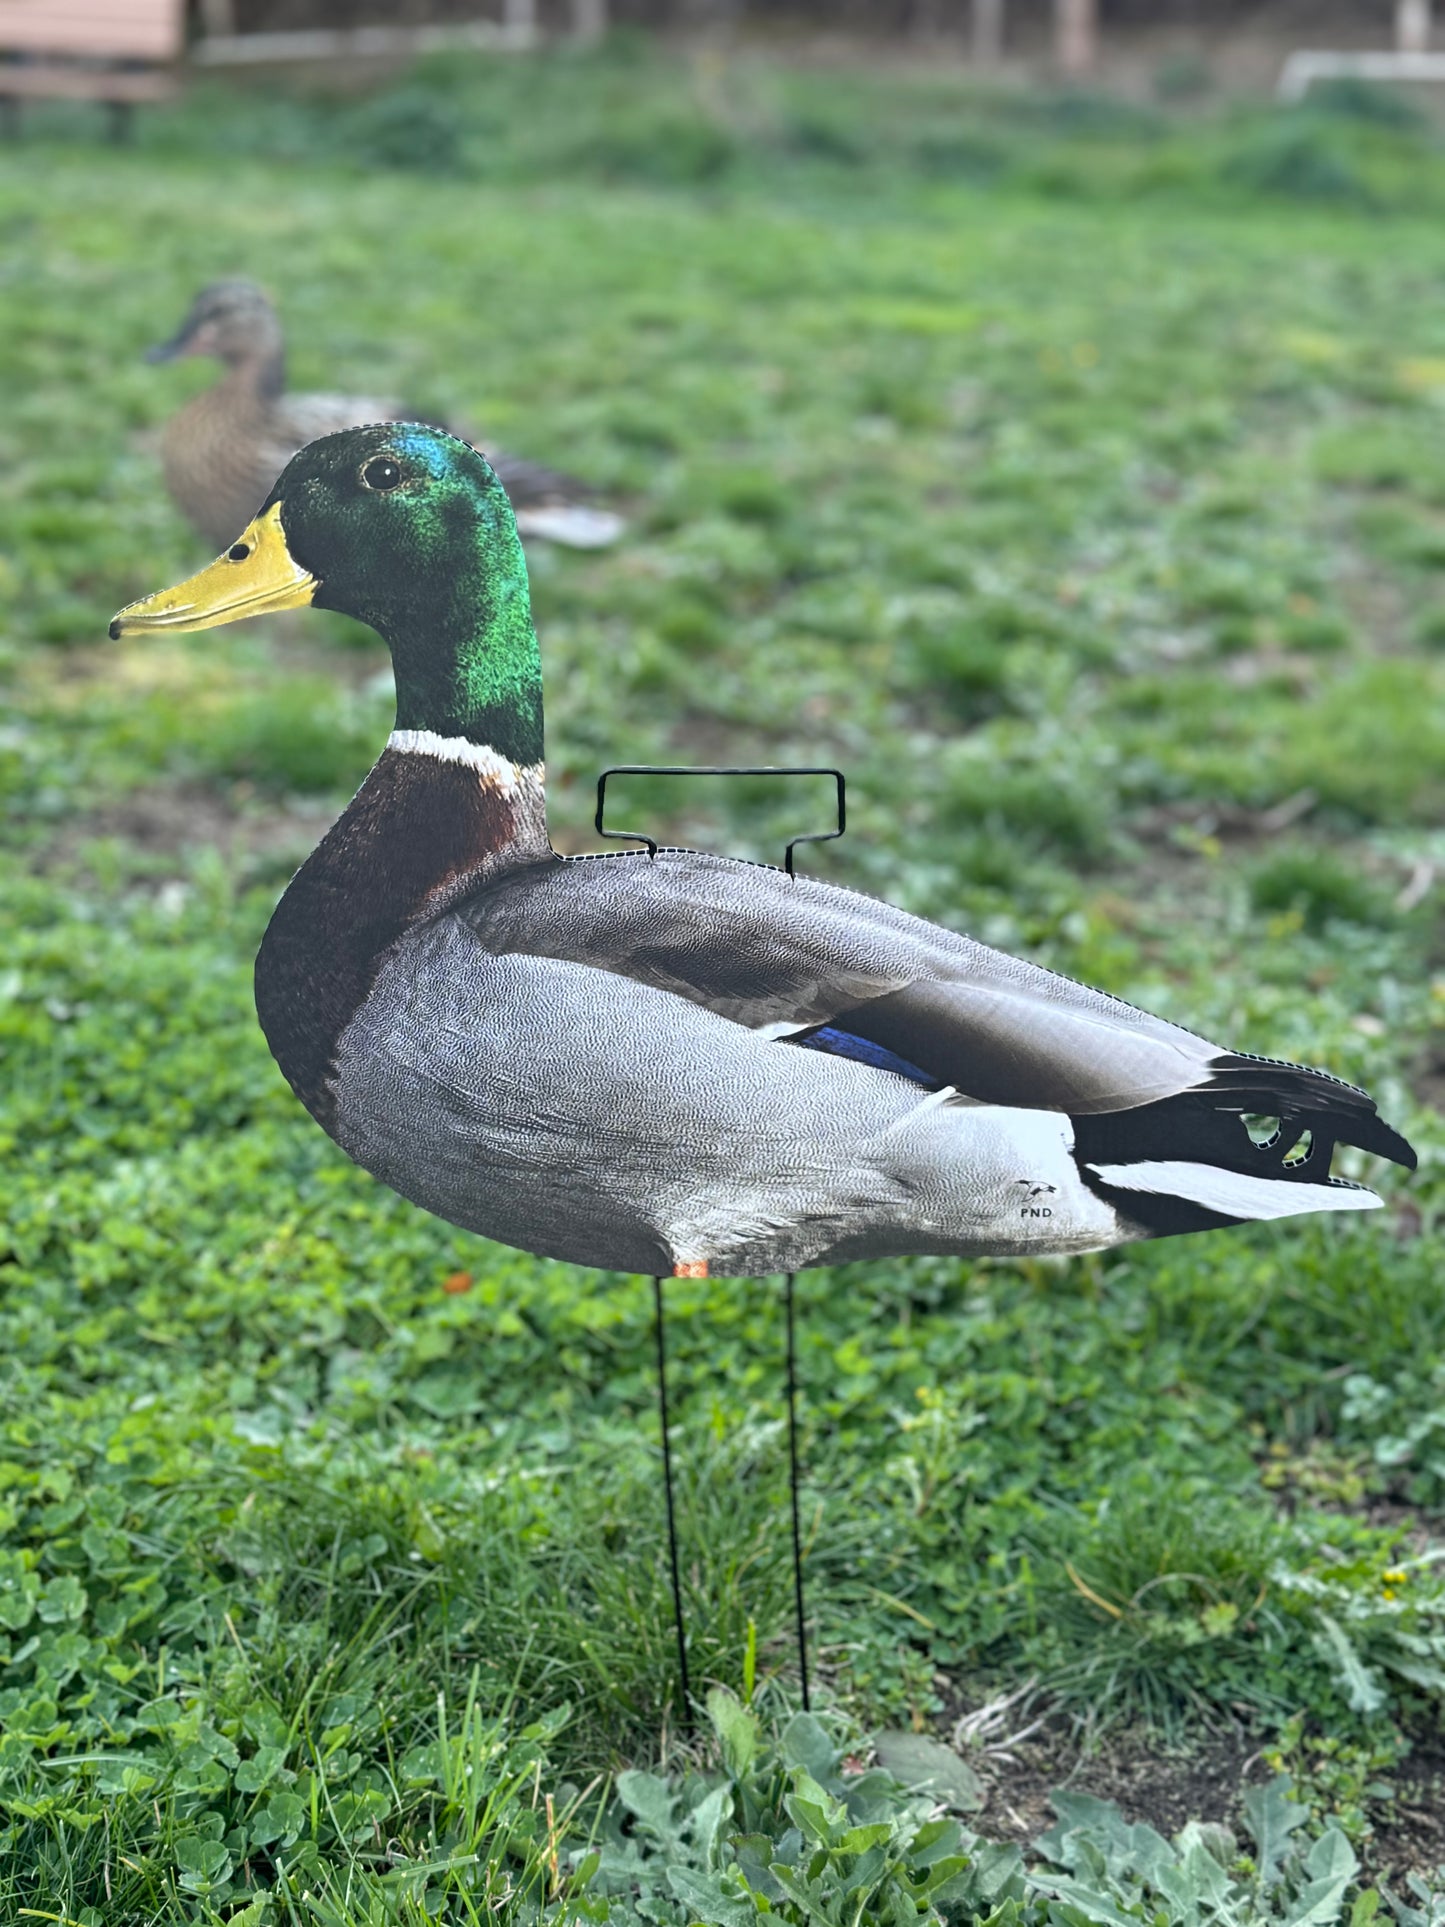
column 1074, row 477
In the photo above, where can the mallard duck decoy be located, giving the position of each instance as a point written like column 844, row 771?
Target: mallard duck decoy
column 682, row 1063
column 223, row 450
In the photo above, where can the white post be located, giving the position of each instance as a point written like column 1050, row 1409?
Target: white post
column 986, row 33
column 1076, row 36
column 218, row 18
column 1412, row 26
column 519, row 22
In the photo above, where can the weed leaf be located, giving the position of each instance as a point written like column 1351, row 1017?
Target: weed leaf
column 736, row 1729
column 1331, row 1863
column 705, row 1900
column 1272, row 1817
column 651, row 1802
column 707, row 1821
column 1362, row 1688
column 806, row 1744
column 1089, row 1901
column 915, row 1760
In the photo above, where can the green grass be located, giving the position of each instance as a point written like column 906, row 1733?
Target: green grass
column 1070, row 475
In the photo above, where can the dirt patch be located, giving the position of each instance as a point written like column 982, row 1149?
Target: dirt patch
column 1148, row 1779
column 169, row 820
column 1410, row 1835
column 254, row 831
column 1167, row 1785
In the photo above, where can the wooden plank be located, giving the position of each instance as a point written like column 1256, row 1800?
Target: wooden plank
column 39, row 81
column 113, row 29
column 127, row 16
column 1307, row 65
column 519, row 31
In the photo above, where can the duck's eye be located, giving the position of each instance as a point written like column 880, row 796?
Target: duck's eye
column 239, row 551
column 381, row 474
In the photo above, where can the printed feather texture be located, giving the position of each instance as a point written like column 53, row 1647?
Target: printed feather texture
column 675, row 1060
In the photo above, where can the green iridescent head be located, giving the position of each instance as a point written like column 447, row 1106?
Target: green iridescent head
column 407, row 529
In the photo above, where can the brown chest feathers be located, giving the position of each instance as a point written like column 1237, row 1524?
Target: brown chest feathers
column 419, row 833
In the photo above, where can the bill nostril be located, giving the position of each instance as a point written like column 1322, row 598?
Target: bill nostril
column 239, row 552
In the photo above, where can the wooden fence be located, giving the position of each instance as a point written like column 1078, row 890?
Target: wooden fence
column 986, row 28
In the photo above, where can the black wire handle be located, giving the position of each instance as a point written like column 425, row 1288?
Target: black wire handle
column 724, row 769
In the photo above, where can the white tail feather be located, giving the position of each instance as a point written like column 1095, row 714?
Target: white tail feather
column 1234, row 1194
column 572, row 528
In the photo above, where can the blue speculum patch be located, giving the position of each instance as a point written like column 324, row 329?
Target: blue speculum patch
column 842, row 1043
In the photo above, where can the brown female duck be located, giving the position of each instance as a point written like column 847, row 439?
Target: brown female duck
column 224, row 449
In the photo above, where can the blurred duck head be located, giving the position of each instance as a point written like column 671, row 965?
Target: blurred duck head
column 232, row 320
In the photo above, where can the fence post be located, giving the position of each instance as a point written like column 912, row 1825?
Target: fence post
column 1076, row 36
column 1412, row 26
column 986, row 33
column 519, row 22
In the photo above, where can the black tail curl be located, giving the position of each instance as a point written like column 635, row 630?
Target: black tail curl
column 1324, row 1104
column 1225, row 1124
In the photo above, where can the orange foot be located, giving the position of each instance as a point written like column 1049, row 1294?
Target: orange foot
column 697, row 1269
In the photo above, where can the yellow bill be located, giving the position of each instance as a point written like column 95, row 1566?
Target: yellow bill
column 255, row 577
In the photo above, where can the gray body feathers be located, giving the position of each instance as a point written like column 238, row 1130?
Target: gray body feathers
column 588, row 1058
